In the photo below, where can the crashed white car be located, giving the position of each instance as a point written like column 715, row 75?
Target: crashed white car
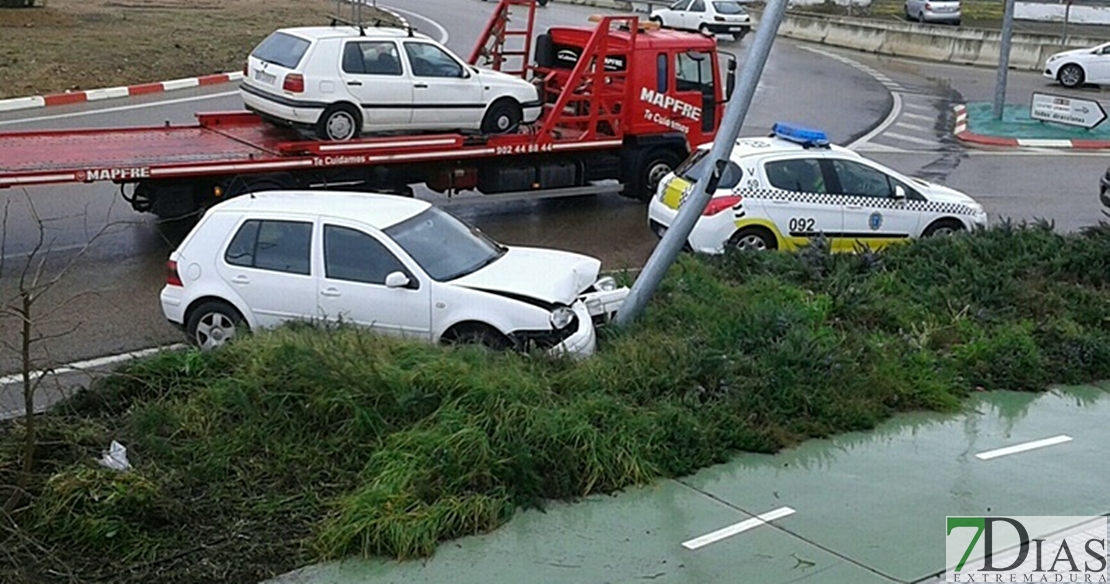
column 342, row 81
column 396, row 265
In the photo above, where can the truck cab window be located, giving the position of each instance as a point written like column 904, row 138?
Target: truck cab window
column 694, row 71
column 662, row 72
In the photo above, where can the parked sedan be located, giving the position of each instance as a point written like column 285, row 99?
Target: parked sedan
column 706, row 16
column 1078, row 66
column 341, row 81
column 946, row 11
column 395, row 265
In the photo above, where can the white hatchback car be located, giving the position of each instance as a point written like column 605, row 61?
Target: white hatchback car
column 706, row 16
column 340, row 83
column 944, row 11
column 1078, row 66
column 393, row 264
column 781, row 191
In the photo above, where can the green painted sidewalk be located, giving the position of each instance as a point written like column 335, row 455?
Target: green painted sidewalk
column 856, row 509
column 1016, row 123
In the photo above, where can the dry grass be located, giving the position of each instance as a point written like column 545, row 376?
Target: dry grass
column 87, row 44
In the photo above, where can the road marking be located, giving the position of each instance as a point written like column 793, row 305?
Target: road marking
column 1044, row 143
column 895, row 110
column 913, row 127
column 443, row 35
column 919, row 107
column 736, row 528
column 78, row 366
column 906, row 138
column 122, row 108
column 1024, row 447
column 918, row 116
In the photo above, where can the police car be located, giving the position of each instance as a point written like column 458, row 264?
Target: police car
column 778, row 192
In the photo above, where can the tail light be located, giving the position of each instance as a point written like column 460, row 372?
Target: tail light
column 172, row 279
column 294, row 83
column 718, row 204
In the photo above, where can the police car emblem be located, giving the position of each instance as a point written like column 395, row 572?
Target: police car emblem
column 875, row 221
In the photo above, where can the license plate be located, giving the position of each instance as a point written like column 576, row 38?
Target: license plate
column 264, row 77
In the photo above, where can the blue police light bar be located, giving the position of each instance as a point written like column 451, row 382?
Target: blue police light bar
column 800, row 135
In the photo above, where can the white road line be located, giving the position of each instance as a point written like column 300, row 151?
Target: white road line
column 906, row 138
column 876, row 147
column 919, row 107
column 917, row 116
column 120, row 108
column 443, row 35
column 1035, row 152
column 895, row 110
column 736, row 528
column 1044, row 142
column 91, row 363
column 1024, row 447
column 913, row 127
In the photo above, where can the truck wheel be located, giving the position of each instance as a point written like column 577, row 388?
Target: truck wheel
column 502, row 117
column 213, row 324
column 651, row 166
column 339, row 123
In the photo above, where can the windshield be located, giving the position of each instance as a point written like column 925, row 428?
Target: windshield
column 281, row 49
column 728, row 8
column 696, row 165
column 445, row 247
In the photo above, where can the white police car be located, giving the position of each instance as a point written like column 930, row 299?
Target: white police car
column 778, row 192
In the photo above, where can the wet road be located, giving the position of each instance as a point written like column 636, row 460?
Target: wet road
column 114, row 287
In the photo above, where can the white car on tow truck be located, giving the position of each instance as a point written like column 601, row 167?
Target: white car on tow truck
column 781, row 191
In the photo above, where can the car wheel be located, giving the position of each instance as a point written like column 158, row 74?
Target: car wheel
column 502, row 117
column 943, row 227
column 478, row 334
column 657, row 20
column 906, row 9
column 955, row 23
column 921, row 16
column 754, row 239
column 1071, row 75
column 213, row 324
column 339, row 123
column 704, row 29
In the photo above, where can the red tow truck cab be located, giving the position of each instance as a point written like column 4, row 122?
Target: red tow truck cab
column 624, row 103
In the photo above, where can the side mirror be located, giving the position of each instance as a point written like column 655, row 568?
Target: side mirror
column 396, row 280
column 899, row 192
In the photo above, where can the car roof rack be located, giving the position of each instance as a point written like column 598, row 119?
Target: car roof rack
column 356, row 20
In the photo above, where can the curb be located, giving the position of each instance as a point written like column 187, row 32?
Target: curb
column 72, row 97
column 964, row 135
column 39, row 101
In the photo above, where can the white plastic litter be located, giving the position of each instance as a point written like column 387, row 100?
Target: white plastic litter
column 115, row 457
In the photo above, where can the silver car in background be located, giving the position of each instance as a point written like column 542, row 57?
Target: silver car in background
column 946, row 11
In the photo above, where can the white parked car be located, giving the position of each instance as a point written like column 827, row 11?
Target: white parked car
column 1078, row 66
column 393, row 264
column 340, row 83
column 945, row 11
column 781, row 191
column 706, row 16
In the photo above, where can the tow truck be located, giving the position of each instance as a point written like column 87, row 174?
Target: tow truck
column 624, row 104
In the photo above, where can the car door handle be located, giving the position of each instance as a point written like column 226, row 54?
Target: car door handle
column 354, row 83
column 420, row 85
column 240, row 279
column 330, row 292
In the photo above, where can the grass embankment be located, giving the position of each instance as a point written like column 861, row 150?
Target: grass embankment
column 300, row 445
column 89, row 44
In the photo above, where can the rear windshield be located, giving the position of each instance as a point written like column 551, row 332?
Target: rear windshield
column 695, row 167
column 728, row 8
column 281, row 49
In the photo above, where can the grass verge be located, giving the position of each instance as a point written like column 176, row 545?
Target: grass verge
column 301, row 445
column 89, row 44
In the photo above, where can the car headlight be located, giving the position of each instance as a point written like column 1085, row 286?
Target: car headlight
column 561, row 317
column 606, row 284
column 1053, row 58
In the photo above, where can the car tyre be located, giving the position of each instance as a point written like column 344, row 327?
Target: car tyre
column 657, row 20
column 1071, row 75
column 921, row 17
column 943, row 227
column 213, row 323
column 503, row 117
column 754, row 238
column 479, row 334
column 339, row 123
column 704, row 29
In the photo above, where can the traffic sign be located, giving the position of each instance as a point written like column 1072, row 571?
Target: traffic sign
column 1087, row 113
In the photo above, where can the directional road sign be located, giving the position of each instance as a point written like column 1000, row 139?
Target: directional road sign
column 1087, row 113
